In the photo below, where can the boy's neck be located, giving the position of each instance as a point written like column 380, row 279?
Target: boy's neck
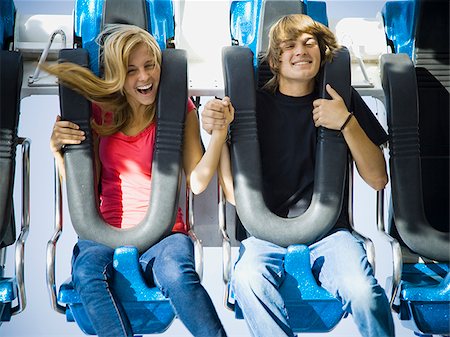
column 296, row 88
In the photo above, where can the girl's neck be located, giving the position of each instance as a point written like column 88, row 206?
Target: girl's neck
column 140, row 119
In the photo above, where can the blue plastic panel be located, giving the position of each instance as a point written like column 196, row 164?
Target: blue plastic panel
column 425, row 298
column 146, row 307
column 8, row 290
column 400, row 24
column 245, row 17
column 311, row 308
column 7, row 11
column 87, row 24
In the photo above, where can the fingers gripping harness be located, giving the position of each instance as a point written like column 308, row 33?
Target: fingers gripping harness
column 166, row 172
column 331, row 157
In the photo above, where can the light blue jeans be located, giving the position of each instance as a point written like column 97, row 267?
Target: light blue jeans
column 339, row 264
column 169, row 265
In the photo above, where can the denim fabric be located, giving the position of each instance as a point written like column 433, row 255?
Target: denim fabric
column 169, row 265
column 339, row 264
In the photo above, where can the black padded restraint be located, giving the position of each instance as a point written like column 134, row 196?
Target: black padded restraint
column 331, row 157
column 166, row 172
column 400, row 89
column 11, row 73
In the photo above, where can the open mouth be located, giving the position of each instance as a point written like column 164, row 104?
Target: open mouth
column 145, row 89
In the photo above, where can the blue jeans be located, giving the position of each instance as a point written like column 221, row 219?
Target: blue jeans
column 169, row 265
column 339, row 263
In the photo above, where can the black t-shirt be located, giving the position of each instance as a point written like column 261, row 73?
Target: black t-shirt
column 287, row 138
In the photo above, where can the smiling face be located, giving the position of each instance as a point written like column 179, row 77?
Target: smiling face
column 299, row 62
column 143, row 75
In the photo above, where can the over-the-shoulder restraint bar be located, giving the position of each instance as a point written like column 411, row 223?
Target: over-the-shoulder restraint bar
column 11, row 73
column 400, row 89
column 166, row 171
column 331, row 157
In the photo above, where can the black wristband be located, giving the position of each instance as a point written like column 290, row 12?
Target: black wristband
column 346, row 122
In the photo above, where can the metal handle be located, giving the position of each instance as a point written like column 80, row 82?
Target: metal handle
column 25, row 226
column 198, row 246
column 51, row 244
column 35, row 77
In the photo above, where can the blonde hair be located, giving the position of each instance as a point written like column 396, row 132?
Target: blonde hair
column 118, row 42
column 290, row 27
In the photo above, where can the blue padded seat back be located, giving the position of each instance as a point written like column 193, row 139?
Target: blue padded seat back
column 7, row 15
column 250, row 21
column 400, row 25
column 156, row 16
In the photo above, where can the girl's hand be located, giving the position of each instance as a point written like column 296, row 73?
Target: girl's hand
column 330, row 113
column 217, row 114
column 64, row 133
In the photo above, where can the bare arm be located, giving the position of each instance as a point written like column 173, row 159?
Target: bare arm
column 200, row 168
column 213, row 119
column 368, row 157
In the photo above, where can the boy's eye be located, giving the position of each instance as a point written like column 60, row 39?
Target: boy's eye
column 311, row 43
column 287, row 46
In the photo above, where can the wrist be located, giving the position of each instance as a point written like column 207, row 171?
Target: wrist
column 348, row 119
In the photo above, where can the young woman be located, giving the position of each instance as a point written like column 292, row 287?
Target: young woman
column 124, row 123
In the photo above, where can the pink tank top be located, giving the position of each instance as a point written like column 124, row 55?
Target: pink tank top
column 126, row 174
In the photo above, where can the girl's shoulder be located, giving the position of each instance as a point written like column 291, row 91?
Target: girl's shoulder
column 100, row 116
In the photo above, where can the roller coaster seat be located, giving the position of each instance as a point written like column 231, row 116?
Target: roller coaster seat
column 419, row 160
column 148, row 310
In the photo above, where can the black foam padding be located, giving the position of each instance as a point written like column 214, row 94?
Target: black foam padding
column 11, row 74
column 331, row 157
column 131, row 12
column 400, row 89
column 166, row 171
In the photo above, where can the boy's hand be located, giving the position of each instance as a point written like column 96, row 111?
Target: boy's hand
column 217, row 114
column 330, row 113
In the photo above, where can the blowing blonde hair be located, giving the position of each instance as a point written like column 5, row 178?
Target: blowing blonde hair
column 118, row 42
column 290, row 27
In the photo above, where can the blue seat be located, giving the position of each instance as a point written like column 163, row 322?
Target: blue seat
column 12, row 289
column 311, row 308
column 156, row 16
column 148, row 310
column 419, row 153
column 250, row 20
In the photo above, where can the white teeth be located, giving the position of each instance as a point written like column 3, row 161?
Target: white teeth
column 301, row 62
column 145, row 87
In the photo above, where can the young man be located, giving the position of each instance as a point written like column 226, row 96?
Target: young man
column 288, row 113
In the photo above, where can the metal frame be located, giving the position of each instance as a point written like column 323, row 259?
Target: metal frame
column 25, row 227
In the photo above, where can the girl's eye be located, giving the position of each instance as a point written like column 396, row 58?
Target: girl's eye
column 150, row 66
column 131, row 71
